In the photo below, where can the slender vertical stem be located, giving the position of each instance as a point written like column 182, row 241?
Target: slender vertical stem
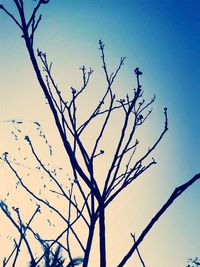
column 89, row 242
column 102, row 237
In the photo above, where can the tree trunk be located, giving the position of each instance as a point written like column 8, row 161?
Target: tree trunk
column 102, row 237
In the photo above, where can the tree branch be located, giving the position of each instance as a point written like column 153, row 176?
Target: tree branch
column 11, row 16
column 176, row 193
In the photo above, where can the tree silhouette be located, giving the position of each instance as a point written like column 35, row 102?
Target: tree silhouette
column 86, row 199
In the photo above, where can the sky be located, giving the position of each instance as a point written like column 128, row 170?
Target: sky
column 162, row 38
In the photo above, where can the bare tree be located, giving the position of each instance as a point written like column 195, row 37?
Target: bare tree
column 125, row 165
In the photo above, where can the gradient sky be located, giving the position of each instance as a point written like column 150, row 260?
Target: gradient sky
column 163, row 39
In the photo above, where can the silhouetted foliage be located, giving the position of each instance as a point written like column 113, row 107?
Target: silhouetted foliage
column 193, row 262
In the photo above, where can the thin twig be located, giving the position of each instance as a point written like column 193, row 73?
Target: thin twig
column 138, row 252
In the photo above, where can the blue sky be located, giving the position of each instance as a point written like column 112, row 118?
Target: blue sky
column 163, row 39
